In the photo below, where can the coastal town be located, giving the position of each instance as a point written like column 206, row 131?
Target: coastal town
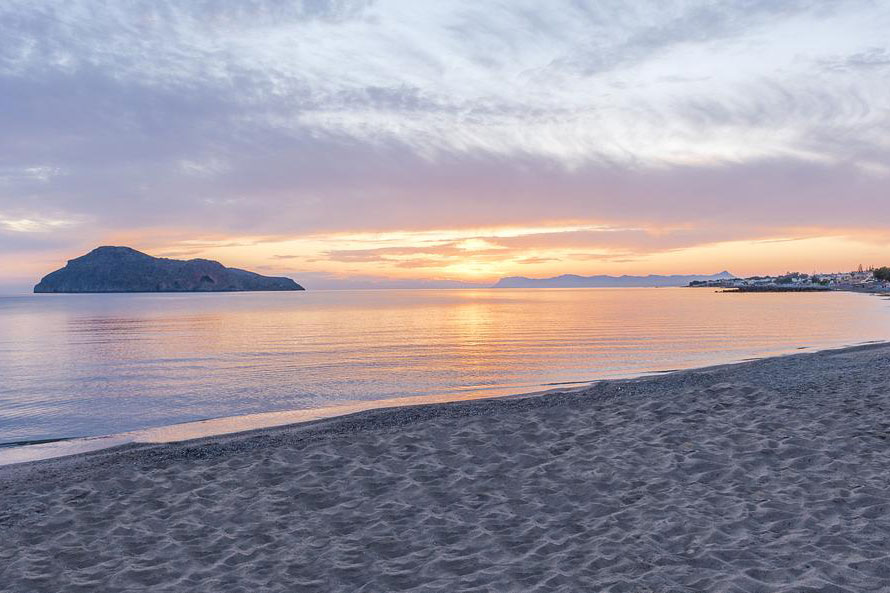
column 875, row 280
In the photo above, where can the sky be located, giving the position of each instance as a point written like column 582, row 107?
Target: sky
column 363, row 143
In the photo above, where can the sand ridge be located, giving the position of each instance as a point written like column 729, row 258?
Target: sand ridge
column 767, row 476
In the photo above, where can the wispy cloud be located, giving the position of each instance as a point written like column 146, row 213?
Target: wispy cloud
column 317, row 118
column 33, row 224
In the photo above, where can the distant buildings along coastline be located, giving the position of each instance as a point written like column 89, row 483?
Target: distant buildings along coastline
column 861, row 280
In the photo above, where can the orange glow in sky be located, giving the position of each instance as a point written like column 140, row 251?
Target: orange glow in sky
column 483, row 255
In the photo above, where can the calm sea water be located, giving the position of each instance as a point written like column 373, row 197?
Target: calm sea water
column 78, row 365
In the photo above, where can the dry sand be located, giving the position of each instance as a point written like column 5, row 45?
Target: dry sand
column 765, row 476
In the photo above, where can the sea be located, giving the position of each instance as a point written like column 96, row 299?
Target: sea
column 100, row 364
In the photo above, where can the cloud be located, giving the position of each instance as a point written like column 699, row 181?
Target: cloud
column 535, row 260
column 313, row 118
column 515, row 245
column 869, row 59
column 32, row 225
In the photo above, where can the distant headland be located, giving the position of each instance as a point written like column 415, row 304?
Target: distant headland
column 122, row 269
column 573, row 281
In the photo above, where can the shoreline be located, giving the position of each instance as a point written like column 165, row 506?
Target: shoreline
column 232, row 426
column 771, row 475
column 171, row 435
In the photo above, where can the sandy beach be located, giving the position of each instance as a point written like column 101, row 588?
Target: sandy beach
column 765, row 476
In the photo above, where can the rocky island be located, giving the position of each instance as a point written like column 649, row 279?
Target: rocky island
column 122, row 269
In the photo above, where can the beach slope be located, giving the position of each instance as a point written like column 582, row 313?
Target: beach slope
column 766, row 476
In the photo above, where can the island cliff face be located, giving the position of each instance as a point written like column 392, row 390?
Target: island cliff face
column 122, row 269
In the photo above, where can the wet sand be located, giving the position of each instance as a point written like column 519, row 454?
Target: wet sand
column 765, row 476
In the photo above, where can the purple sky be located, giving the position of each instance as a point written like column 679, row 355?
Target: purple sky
column 447, row 140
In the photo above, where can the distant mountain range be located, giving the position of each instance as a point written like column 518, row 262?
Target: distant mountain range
column 122, row 269
column 573, row 281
